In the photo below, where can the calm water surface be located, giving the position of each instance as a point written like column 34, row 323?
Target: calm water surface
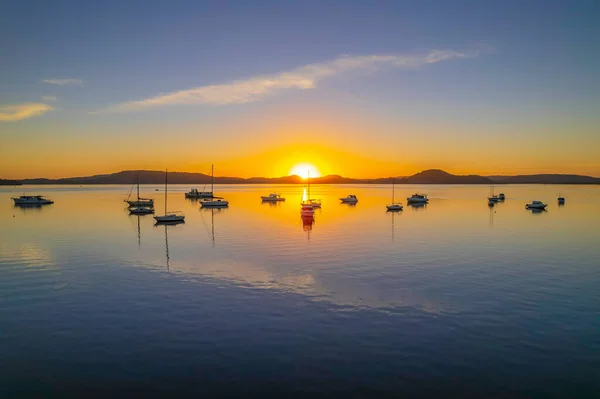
column 454, row 298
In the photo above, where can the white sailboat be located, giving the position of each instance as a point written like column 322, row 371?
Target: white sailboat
column 215, row 202
column 395, row 206
column 314, row 203
column 169, row 217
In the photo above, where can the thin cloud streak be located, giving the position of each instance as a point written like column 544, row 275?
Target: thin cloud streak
column 303, row 78
column 18, row 112
column 49, row 98
column 63, row 82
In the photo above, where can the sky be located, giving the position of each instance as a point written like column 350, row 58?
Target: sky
column 356, row 88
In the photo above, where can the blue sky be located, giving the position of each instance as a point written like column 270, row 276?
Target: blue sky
column 527, row 70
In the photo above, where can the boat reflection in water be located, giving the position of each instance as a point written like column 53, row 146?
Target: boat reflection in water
column 212, row 220
column 393, row 213
column 307, row 224
column 418, row 206
column 537, row 210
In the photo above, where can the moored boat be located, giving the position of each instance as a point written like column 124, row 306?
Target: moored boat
column 139, row 202
column 417, row 199
column 394, row 206
column 350, row 199
column 169, row 217
column 32, row 200
column 536, row 205
column 273, row 197
column 215, row 202
column 194, row 193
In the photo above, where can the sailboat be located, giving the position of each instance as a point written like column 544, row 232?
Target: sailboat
column 141, row 209
column 215, row 202
column 314, row 203
column 194, row 193
column 171, row 217
column 492, row 199
column 140, row 202
column 395, row 206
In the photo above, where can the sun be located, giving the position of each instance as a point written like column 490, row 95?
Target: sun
column 303, row 169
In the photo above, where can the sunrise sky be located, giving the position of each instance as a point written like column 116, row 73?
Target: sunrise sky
column 356, row 88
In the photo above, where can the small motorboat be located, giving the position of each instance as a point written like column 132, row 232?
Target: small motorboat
column 32, row 200
column 140, row 210
column 273, row 197
column 494, row 199
column 350, row 199
column 215, row 203
column 561, row 200
column 394, row 207
column 194, row 193
column 417, row 199
column 536, row 205
column 501, row 196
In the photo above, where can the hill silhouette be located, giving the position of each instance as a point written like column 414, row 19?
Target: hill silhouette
column 431, row 176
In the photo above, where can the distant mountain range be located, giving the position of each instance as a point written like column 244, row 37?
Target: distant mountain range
column 432, row 176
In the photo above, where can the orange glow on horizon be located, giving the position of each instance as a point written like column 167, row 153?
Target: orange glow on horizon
column 304, row 170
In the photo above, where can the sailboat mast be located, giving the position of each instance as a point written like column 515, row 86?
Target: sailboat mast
column 393, row 191
column 308, row 183
column 138, row 187
column 165, row 191
column 212, row 183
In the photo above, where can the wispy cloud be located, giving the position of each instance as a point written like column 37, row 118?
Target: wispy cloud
column 304, row 77
column 17, row 112
column 49, row 99
column 63, row 82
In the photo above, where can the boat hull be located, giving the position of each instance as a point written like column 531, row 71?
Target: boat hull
column 169, row 218
column 348, row 201
column 268, row 199
column 141, row 203
column 199, row 195
column 535, row 206
column 214, row 204
column 411, row 200
column 36, row 202
column 394, row 208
